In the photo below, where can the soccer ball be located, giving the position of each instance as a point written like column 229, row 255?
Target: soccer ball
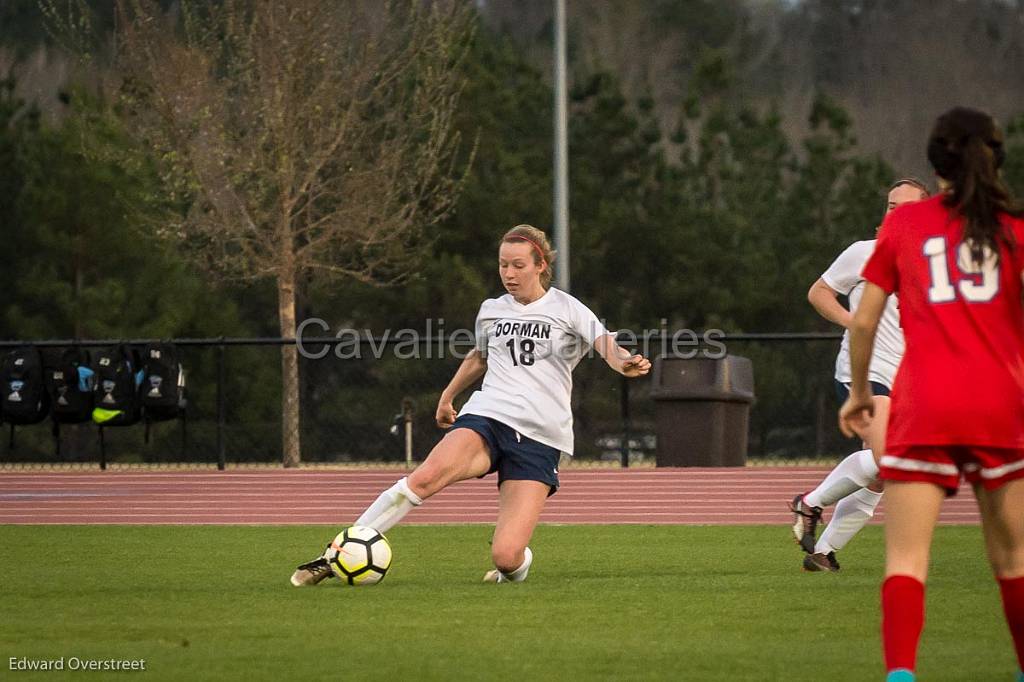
column 359, row 556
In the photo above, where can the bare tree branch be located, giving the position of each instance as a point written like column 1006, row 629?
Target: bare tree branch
column 294, row 137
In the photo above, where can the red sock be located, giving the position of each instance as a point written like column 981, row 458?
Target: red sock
column 1012, row 590
column 902, row 620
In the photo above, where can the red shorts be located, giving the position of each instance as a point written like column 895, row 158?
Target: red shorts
column 944, row 465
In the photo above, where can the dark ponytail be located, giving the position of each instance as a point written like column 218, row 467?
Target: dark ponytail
column 966, row 149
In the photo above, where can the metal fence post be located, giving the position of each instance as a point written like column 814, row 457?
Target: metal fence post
column 220, row 405
column 624, row 407
column 407, row 410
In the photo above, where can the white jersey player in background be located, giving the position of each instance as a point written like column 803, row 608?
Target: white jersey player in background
column 520, row 421
column 853, row 485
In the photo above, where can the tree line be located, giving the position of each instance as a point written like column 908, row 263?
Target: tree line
column 722, row 222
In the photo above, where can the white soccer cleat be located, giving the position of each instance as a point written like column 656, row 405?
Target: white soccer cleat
column 494, row 576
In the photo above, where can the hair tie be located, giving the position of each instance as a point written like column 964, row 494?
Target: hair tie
column 945, row 160
column 998, row 152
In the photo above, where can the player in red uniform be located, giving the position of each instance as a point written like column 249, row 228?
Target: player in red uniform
column 955, row 261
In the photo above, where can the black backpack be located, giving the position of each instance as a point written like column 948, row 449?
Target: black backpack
column 23, row 398
column 70, row 384
column 163, row 383
column 116, row 395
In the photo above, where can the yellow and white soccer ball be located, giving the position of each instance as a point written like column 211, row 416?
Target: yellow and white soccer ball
column 360, row 556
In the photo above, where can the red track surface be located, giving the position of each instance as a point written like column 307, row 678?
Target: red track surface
column 752, row 495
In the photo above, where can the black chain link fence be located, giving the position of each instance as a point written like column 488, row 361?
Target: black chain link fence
column 354, row 410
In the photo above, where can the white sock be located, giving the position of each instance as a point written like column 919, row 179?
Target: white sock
column 388, row 509
column 851, row 514
column 854, row 472
column 518, row 575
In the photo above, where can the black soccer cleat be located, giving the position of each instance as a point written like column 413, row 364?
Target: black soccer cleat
column 805, row 523
column 818, row 562
column 312, row 572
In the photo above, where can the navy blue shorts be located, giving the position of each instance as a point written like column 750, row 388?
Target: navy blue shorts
column 843, row 390
column 514, row 456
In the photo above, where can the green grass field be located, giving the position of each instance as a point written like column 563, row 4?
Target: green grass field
column 602, row 602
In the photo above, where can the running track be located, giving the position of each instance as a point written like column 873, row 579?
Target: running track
column 753, row 495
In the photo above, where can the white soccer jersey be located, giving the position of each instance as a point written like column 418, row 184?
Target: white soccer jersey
column 531, row 351
column 844, row 276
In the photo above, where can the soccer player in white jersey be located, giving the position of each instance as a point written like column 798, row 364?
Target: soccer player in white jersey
column 527, row 344
column 853, row 485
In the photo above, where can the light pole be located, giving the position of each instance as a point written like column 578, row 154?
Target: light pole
column 561, row 152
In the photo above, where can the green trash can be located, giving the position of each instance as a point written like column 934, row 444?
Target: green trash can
column 702, row 410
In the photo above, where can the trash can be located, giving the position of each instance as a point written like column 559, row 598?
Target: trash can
column 702, row 410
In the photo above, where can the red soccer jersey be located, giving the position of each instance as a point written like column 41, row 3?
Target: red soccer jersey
column 961, row 381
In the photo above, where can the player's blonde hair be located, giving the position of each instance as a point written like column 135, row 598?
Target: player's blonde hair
column 542, row 251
